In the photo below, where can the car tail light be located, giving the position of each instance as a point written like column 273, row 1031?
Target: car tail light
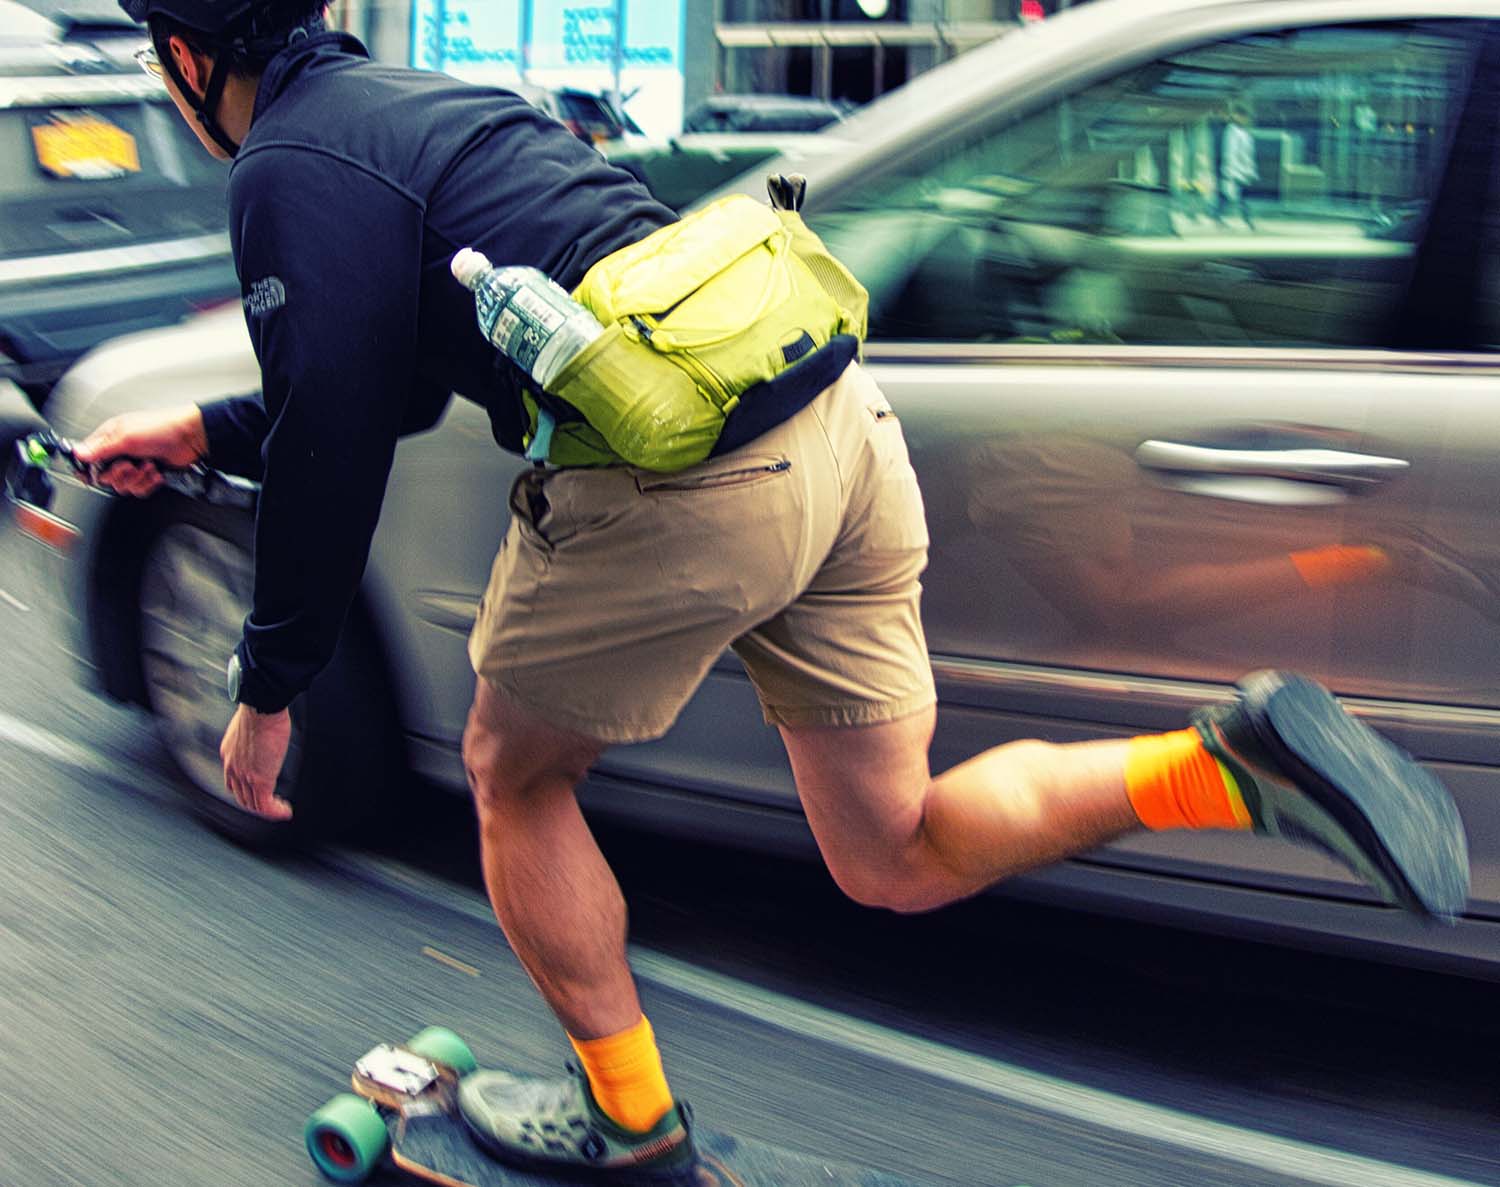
column 46, row 528
column 204, row 304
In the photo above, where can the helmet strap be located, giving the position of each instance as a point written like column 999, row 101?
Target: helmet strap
column 206, row 108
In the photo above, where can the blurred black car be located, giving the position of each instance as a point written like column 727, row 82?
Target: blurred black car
column 684, row 168
column 589, row 116
column 112, row 217
column 761, row 113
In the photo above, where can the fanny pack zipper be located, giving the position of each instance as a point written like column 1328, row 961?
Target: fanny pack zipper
column 704, row 375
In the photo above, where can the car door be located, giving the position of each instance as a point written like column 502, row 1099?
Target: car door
column 1151, row 383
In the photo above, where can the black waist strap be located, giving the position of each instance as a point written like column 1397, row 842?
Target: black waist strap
column 766, row 404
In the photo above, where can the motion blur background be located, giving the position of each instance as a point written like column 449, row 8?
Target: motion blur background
column 668, row 55
column 1163, row 291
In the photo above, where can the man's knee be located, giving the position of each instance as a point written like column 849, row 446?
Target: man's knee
column 511, row 755
column 886, row 882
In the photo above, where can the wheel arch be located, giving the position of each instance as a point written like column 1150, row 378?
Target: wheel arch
column 112, row 613
column 111, row 604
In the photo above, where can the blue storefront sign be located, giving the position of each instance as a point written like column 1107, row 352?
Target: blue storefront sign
column 562, row 43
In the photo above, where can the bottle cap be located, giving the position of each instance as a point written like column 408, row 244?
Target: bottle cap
column 468, row 266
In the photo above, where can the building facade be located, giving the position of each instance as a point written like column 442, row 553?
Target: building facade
column 661, row 56
column 853, row 50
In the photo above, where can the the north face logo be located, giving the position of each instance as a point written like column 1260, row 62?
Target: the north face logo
column 265, row 296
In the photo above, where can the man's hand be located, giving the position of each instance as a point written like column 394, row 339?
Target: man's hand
column 127, row 449
column 253, row 749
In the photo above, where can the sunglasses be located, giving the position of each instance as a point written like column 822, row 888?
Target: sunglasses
column 147, row 60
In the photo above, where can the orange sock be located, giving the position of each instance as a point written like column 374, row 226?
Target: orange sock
column 1340, row 564
column 626, row 1076
column 1173, row 782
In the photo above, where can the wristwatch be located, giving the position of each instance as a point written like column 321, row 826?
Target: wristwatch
column 235, row 672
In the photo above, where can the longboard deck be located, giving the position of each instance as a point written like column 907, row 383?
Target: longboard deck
column 436, row 1146
column 418, row 1099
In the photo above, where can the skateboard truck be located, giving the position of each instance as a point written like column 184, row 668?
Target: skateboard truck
column 397, row 1069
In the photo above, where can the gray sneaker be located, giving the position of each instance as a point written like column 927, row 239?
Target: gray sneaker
column 1310, row 772
column 555, row 1125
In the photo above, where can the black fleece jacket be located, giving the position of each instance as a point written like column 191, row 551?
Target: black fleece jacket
column 355, row 186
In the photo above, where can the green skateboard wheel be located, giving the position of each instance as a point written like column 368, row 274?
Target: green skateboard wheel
column 441, row 1045
column 347, row 1139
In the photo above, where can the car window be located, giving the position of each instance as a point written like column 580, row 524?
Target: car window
column 106, row 173
column 1269, row 190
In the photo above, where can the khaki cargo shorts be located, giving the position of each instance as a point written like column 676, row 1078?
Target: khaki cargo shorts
column 616, row 589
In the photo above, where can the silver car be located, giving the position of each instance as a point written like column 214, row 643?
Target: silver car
column 1188, row 309
column 112, row 218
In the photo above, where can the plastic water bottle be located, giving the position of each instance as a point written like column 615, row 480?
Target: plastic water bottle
column 528, row 316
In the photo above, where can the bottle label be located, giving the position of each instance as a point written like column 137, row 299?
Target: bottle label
column 489, row 301
column 527, row 326
column 533, row 321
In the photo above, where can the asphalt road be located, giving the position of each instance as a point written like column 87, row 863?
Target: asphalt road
column 175, row 1006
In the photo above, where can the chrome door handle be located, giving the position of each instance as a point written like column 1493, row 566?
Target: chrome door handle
column 1334, row 467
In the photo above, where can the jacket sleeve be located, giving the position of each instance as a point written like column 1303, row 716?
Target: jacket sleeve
column 329, row 262
column 236, row 429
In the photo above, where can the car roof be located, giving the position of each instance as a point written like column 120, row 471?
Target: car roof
column 20, row 23
column 68, row 12
column 48, row 39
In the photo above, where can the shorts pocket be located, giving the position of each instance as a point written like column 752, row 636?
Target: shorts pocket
column 731, row 473
column 897, row 518
column 529, row 508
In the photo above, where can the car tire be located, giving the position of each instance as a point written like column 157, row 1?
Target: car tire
column 344, row 766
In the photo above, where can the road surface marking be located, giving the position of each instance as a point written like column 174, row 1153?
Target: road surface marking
column 25, row 736
column 1303, row 1161
column 10, row 599
column 444, row 958
column 1000, row 1081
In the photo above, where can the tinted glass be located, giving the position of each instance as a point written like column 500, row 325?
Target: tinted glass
column 1263, row 191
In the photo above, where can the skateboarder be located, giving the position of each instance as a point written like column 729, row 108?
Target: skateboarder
column 352, row 185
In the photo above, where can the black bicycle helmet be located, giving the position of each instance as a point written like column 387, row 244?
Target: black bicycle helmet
column 206, row 16
column 229, row 28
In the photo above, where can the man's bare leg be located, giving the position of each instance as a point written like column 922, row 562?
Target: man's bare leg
column 894, row 836
column 552, row 891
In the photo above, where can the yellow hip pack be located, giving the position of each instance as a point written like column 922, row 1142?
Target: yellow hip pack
column 694, row 314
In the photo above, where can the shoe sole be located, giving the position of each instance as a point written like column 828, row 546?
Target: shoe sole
column 1400, row 817
column 706, row 1171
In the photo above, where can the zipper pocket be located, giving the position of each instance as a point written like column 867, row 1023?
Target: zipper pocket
column 705, row 377
column 718, row 480
column 702, row 374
